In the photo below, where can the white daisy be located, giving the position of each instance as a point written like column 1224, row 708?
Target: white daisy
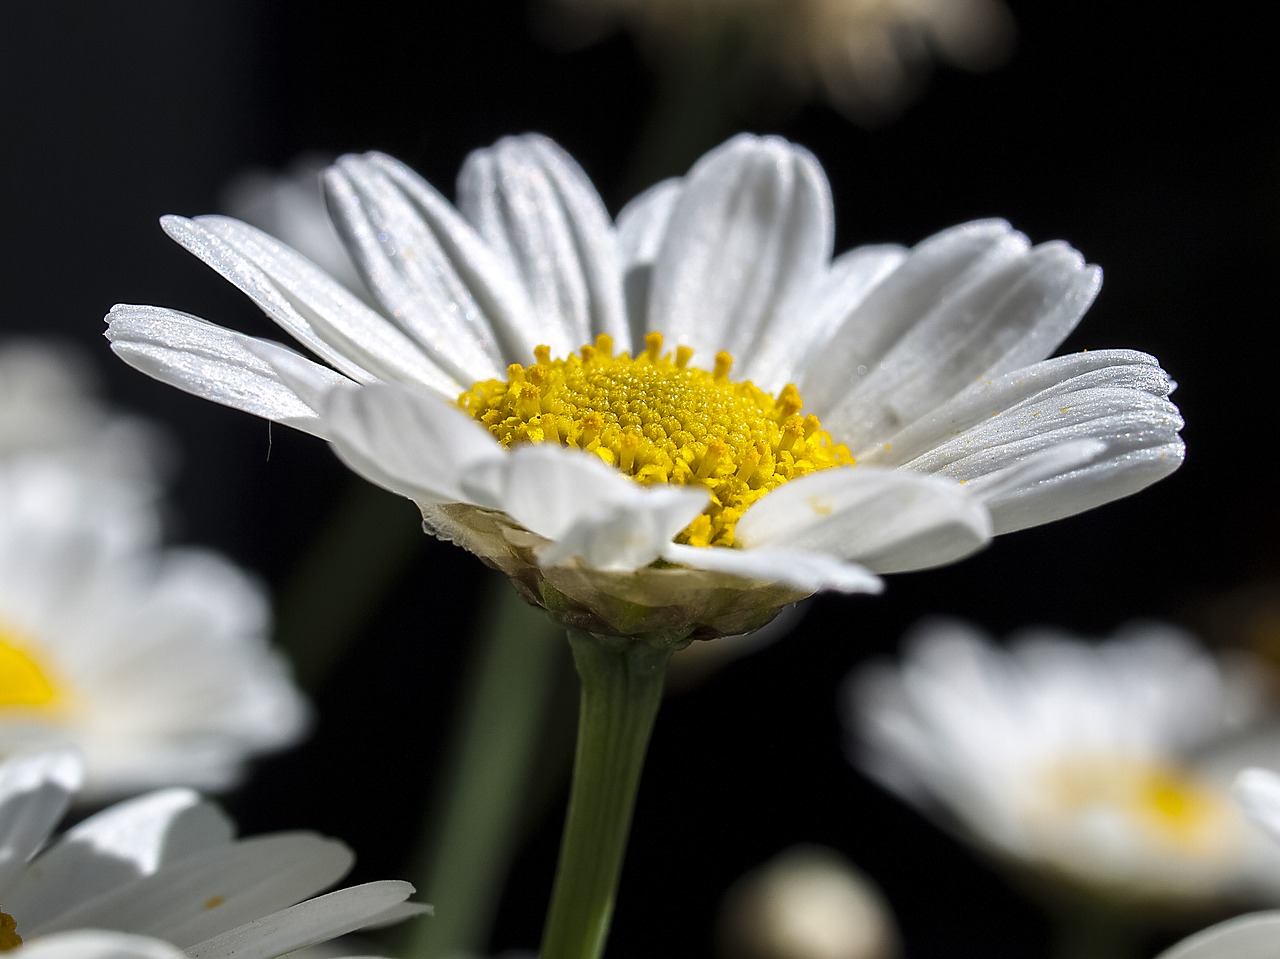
column 926, row 367
column 153, row 662
column 49, row 405
column 1105, row 766
column 166, row 866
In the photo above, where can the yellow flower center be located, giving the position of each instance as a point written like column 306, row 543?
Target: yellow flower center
column 659, row 420
column 9, row 938
column 1168, row 806
column 24, row 682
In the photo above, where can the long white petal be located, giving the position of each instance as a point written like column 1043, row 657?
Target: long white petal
column 1013, row 308
column 215, row 363
column 535, row 206
column 778, row 565
column 642, row 225
column 749, row 237
column 98, row 944
column 34, row 792
column 307, row 923
column 124, row 842
column 887, row 520
column 408, row 441
column 215, row 890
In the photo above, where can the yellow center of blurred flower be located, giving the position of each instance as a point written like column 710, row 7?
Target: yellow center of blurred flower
column 659, row 420
column 24, row 683
column 9, row 938
column 1168, row 806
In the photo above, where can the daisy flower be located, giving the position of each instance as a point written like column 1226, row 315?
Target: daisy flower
column 166, row 866
column 692, row 416
column 1105, row 766
column 153, row 662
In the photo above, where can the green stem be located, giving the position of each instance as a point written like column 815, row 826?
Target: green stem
column 622, row 682
column 1093, row 932
column 472, row 834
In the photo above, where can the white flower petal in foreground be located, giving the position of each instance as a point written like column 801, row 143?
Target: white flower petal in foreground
column 1097, row 765
column 166, row 866
column 154, row 663
column 690, row 416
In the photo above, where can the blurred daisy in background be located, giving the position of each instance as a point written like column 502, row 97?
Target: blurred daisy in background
column 869, row 58
column 650, row 468
column 153, row 662
column 49, row 404
column 166, row 866
column 1104, row 767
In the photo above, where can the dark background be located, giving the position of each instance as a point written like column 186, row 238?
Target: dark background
column 1144, row 133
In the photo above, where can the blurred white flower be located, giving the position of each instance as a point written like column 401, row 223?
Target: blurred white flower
column 868, row 57
column 1106, row 766
column 153, row 662
column 166, row 866
column 693, row 498
column 806, row 903
column 49, row 405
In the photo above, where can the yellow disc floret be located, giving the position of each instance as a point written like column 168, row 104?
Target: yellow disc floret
column 23, row 683
column 660, row 420
column 9, row 938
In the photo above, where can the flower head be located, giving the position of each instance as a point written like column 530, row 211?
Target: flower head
column 1101, row 766
column 690, row 417
column 154, row 663
column 166, row 866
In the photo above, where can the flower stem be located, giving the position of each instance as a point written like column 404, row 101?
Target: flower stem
column 622, row 681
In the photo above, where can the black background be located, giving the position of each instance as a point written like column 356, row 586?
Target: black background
column 1144, row 133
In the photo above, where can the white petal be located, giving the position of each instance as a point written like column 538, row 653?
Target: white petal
column 213, row 362
column 787, row 349
column 535, row 207
column 1258, row 793
column 34, row 792
column 408, row 441
column 313, row 307
column 1245, row 937
column 1012, row 307
column 749, row 237
column 589, row 510
column 215, row 890
column 97, row 944
column 887, row 520
column 976, row 406
column 641, row 226
column 779, row 565
column 305, row 924
column 124, row 842
column 430, row 269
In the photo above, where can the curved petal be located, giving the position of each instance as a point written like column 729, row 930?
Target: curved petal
column 786, row 350
column 778, row 565
column 887, row 520
column 307, row 923
column 408, row 441
column 215, row 363
column 122, row 843
column 589, row 510
column 1012, row 307
column 1245, row 937
column 749, row 236
column 975, row 407
column 306, row 302
column 429, row 268
column 34, row 793
column 536, row 208
column 641, row 226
